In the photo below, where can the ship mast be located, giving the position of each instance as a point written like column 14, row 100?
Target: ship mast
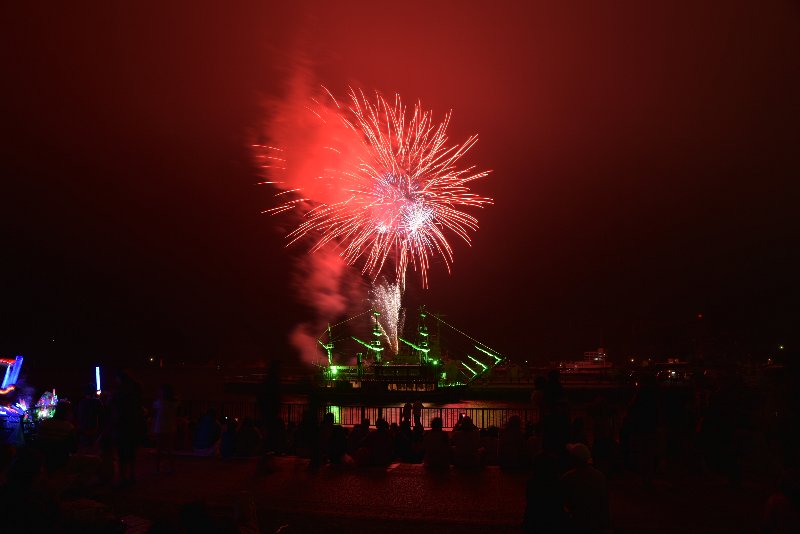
column 328, row 346
column 422, row 346
column 375, row 345
column 422, row 336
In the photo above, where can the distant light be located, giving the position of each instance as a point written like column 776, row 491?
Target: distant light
column 631, row 360
column 780, row 347
column 699, row 315
column 151, row 358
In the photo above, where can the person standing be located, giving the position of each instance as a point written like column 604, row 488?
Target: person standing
column 417, row 411
column 544, row 504
column 128, row 425
column 165, row 426
column 57, row 438
column 87, row 417
column 585, row 493
column 511, row 445
column 406, row 413
column 269, row 407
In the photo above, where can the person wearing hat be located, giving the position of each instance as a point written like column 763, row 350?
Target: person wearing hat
column 585, row 492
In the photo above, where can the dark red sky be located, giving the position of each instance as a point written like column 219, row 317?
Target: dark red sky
column 645, row 166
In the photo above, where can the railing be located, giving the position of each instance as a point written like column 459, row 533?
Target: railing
column 481, row 417
column 352, row 415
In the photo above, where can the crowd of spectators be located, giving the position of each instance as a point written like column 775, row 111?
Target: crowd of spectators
column 569, row 455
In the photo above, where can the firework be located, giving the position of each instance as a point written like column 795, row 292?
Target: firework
column 398, row 189
column 386, row 298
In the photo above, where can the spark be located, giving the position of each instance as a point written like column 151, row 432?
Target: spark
column 386, row 298
column 400, row 190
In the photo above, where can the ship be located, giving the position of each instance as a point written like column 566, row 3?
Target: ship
column 437, row 363
column 594, row 369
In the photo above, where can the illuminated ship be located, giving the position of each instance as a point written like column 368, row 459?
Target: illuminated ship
column 443, row 360
column 594, row 369
column 593, row 362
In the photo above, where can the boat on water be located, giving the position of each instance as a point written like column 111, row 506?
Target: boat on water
column 594, row 369
column 438, row 364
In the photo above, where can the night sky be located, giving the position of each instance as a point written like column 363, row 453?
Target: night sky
column 644, row 160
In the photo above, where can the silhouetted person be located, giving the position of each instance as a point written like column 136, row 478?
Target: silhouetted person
column 467, row 450
column 577, row 433
column 207, row 433
column 417, row 434
column 378, row 446
column 585, row 493
column 407, row 409
column 544, row 502
column 537, row 396
column 605, row 451
column 312, row 429
column 333, row 439
column 306, row 435
column 165, row 426
column 490, row 443
column 511, row 445
column 553, row 393
column 88, row 417
column 184, row 434
column 782, row 510
column 57, row 438
column 356, row 437
column 227, row 444
column 402, row 443
column 24, row 505
column 269, row 402
column 679, row 424
column 128, row 424
column 248, row 439
column 436, row 447
column 641, row 429
column 416, row 409
column 269, row 408
column 554, row 415
column 721, row 428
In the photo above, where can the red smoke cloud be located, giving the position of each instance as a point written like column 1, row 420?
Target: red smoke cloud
column 305, row 138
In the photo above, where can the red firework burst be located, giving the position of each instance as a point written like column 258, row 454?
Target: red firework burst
column 393, row 190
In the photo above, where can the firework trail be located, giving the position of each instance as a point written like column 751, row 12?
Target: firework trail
column 386, row 298
column 381, row 183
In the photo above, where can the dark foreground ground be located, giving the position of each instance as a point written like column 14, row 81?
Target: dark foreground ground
column 406, row 498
